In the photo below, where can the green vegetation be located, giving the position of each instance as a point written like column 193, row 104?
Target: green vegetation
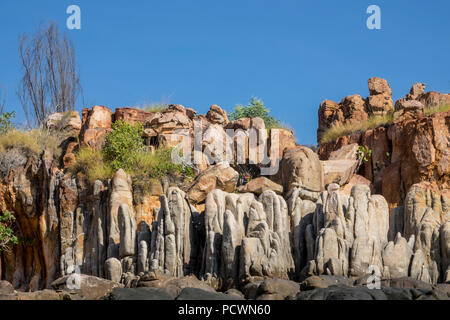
column 6, row 121
column 348, row 128
column 158, row 164
column 7, row 237
column 123, row 144
column 124, row 149
column 256, row 108
column 364, row 153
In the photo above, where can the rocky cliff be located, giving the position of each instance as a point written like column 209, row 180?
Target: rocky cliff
column 230, row 226
column 412, row 147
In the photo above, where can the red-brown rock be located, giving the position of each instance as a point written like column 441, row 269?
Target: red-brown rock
column 433, row 99
column 330, row 114
column 379, row 86
column 96, row 124
column 354, row 109
column 131, row 115
column 217, row 115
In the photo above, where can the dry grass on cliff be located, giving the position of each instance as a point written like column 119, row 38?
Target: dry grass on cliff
column 154, row 107
column 346, row 129
column 432, row 110
column 32, row 142
column 373, row 122
column 147, row 165
column 91, row 163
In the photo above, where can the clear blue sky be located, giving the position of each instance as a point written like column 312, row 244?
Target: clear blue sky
column 292, row 54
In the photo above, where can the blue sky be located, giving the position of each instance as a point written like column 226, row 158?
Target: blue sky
column 291, row 54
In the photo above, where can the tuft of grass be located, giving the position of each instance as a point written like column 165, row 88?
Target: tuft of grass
column 432, row 110
column 32, row 142
column 281, row 125
column 346, row 129
column 154, row 107
column 146, row 165
column 158, row 164
column 91, row 163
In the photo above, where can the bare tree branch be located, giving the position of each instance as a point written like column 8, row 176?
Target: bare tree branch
column 50, row 82
column 2, row 98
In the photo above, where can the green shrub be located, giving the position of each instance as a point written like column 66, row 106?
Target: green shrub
column 364, row 153
column 256, row 108
column 123, row 144
column 6, row 121
column 124, row 149
column 158, row 164
column 7, row 237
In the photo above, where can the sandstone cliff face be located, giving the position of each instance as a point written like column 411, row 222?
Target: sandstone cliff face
column 412, row 149
column 354, row 109
column 290, row 226
column 106, row 228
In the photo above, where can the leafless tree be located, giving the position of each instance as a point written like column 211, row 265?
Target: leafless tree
column 50, row 82
column 2, row 98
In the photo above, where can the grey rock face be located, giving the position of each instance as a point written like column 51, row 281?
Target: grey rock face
column 6, row 288
column 84, row 230
column 266, row 250
column 127, row 227
column 89, row 287
column 301, row 214
column 426, row 215
column 225, row 223
column 397, row 257
column 172, row 235
column 121, row 193
column 445, row 251
column 113, row 269
column 301, row 168
column 347, row 234
column 246, row 237
column 142, row 263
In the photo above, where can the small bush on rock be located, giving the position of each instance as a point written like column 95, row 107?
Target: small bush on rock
column 158, row 164
column 255, row 109
column 123, row 144
column 6, row 121
column 7, row 237
column 124, row 149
